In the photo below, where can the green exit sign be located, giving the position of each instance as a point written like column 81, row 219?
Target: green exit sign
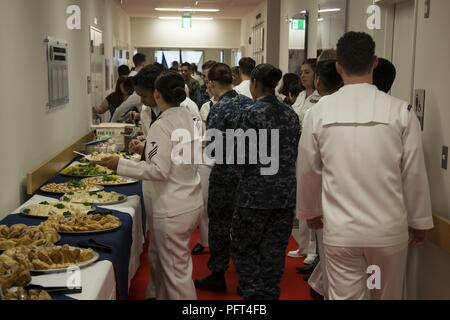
column 298, row 24
column 186, row 22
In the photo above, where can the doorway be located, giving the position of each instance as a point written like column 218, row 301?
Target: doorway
column 97, row 74
column 403, row 49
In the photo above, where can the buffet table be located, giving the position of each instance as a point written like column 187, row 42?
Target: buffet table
column 110, row 277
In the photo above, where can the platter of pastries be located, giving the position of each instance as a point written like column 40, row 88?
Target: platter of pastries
column 95, row 198
column 51, row 259
column 86, row 170
column 84, row 223
column 70, row 186
column 20, row 293
column 98, row 156
column 13, row 273
column 22, row 235
column 112, row 180
column 48, row 209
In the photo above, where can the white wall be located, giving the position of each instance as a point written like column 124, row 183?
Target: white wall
column 29, row 134
column 247, row 24
column 156, row 33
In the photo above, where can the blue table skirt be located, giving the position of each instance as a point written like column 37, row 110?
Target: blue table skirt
column 120, row 240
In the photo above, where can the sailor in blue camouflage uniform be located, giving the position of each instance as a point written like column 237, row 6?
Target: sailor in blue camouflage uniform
column 266, row 194
column 223, row 180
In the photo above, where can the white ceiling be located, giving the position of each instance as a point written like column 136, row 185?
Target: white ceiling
column 229, row 9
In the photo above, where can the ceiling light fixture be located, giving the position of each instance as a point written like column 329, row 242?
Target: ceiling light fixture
column 186, row 10
column 329, row 10
column 179, row 18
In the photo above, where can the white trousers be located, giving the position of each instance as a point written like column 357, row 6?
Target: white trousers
column 204, row 172
column 153, row 284
column 348, row 273
column 319, row 280
column 172, row 236
column 306, row 240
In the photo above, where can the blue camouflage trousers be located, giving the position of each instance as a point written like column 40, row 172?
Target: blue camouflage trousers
column 259, row 242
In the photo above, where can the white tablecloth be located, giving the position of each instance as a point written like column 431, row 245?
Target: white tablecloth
column 98, row 281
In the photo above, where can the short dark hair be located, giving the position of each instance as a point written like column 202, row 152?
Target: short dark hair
column 221, row 73
column 247, row 65
column 139, row 59
column 267, row 75
column 288, row 80
column 384, row 75
column 356, row 52
column 171, row 85
column 295, row 89
column 186, row 64
column 159, row 66
column 208, row 64
column 328, row 75
column 123, row 70
column 146, row 78
column 235, row 70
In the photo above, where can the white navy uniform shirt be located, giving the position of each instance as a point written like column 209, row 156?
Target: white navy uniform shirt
column 244, row 89
column 191, row 106
column 361, row 166
column 174, row 189
column 303, row 104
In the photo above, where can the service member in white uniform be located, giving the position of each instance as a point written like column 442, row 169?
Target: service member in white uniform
column 175, row 189
column 246, row 67
column 204, row 170
column 362, row 175
column 305, row 101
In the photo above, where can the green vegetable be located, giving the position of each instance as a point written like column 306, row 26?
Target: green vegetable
column 75, row 184
column 93, row 193
column 60, row 206
column 99, row 196
column 110, row 178
column 121, row 198
column 44, row 203
column 66, row 199
column 26, row 211
column 87, row 204
column 67, row 214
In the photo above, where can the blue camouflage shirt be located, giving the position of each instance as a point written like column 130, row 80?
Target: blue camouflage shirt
column 225, row 116
column 277, row 190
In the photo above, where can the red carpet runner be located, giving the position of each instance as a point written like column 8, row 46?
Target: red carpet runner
column 293, row 287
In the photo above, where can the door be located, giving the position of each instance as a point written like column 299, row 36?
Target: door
column 97, row 73
column 403, row 49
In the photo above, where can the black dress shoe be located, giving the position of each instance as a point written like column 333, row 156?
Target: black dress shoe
column 198, row 249
column 308, row 268
column 215, row 283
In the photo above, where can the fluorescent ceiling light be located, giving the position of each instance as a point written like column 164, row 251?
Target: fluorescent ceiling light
column 179, row 18
column 186, row 10
column 325, row 10
column 329, row 10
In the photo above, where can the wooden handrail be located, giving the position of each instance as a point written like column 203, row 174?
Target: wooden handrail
column 39, row 176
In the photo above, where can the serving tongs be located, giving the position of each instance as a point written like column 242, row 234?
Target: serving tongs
column 92, row 244
column 55, row 290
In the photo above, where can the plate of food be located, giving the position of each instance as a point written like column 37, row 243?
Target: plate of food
column 13, row 273
column 48, row 209
column 95, row 198
column 112, row 180
column 98, row 156
column 81, row 170
column 22, row 235
column 84, row 223
column 23, row 294
column 70, row 186
column 52, row 259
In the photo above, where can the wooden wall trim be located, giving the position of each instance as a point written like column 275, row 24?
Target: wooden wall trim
column 37, row 177
column 440, row 235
